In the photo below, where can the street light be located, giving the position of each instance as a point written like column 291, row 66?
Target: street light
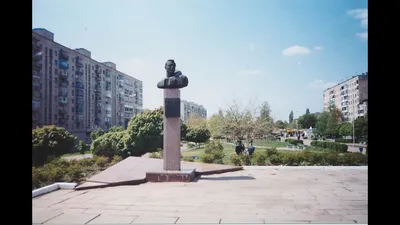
column 353, row 123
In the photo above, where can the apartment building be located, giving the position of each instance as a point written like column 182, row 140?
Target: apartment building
column 191, row 108
column 350, row 96
column 72, row 90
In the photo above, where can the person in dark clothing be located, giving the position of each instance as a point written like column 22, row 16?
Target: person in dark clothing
column 239, row 148
column 251, row 150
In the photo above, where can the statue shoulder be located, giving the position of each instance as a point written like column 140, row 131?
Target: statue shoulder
column 178, row 73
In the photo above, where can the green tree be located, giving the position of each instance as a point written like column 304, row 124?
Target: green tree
column 115, row 129
column 145, row 132
column 96, row 133
column 82, row 147
column 198, row 134
column 361, row 127
column 322, row 121
column 215, row 125
column 291, row 116
column 184, row 129
column 346, row 129
column 307, row 111
column 50, row 141
column 280, row 124
column 111, row 144
column 307, row 120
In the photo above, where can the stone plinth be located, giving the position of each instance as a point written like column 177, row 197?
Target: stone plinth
column 172, row 134
column 186, row 175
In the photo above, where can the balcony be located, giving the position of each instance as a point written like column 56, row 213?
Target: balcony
column 62, row 111
column 36, row 75
column 79, row 118
column 36, row 66
column 36, row 84
column 79, row 71
column 63, row 73
column 97, row 70
column 35, row 105
column 64, row 83
column 98, row 78
column 63, row 64
column 79, row 85
column 62, row 100
column 78, row 62
column 63, row 55
column 36, row 47
column 37, row 57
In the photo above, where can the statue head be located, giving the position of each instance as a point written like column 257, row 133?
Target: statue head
column 170, row 67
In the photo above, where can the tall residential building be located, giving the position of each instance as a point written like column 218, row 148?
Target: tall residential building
column 190, row 108
column 350, row 96
column 72, row 90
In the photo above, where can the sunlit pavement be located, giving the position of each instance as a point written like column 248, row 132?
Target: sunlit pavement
column 253, row 195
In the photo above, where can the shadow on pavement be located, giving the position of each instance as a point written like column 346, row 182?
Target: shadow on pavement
column 225, row 178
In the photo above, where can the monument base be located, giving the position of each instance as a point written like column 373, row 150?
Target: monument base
column 185, row 175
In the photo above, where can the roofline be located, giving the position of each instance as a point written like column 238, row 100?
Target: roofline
column 82, row 54
column 344, row 81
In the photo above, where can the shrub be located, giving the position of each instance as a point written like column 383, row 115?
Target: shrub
column 260, row 158
column 110, row 144
column 235, row 160
column 116, row 159
column 101, row 161
column 293, row 141
column 245, row 159
column 50, row 141
column 271, row 151
column 213, row 153
column 82, row 147
column 353, row 159
column 144, row 132
column 337, row 147
column 188, row 158
column 155, row 155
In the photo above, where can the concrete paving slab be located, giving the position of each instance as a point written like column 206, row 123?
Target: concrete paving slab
column 132, row 171
column 294, row 195
column 112, row 219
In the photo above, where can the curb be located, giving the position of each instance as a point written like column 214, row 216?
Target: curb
column 52, row 187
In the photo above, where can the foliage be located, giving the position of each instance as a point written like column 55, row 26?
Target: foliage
column 184, row 129
column 187, row 159
column 260, row 158
column 116, row 159
column 110, row 144
column 82, row 147
column 213, row 153
column 96, row 133
column 280, row 124
column 345, row 129
column 116, row 129
column 294, row 142
column 333, row 146
column 361, row 127
column 156, row 155
column 245, row 123
column 291, row 116
column 195, row 120
column 145, row 132
column 61, row 170
column 322, row 122
column 307, row 120
column 50, row 141
column 101, row 161
column 215, row 125
column 198, row 134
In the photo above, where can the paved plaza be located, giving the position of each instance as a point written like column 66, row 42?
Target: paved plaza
column 252, row 195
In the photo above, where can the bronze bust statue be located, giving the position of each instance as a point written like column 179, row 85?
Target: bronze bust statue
column 174, row 79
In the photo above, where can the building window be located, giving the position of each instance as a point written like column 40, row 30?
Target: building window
column 73, row 68
column 55, row 52
column 72, row 109
column 72, row 117
column 55, row 116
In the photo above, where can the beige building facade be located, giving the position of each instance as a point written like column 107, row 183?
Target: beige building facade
column 191, row 109
column 74, row 91
column 350, row 96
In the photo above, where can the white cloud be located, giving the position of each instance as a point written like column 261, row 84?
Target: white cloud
column 250, row 72
column 320, row 84
column 317, row 48
column 362, row 16
column 296, row 50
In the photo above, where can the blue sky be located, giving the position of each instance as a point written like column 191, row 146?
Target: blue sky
column 285, row 52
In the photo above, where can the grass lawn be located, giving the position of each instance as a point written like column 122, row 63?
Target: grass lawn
column 229, row 149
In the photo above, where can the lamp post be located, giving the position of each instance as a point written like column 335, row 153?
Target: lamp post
column 354, row 140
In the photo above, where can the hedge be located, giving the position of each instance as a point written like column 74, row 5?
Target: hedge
column 294, row 142
column 337, row 147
